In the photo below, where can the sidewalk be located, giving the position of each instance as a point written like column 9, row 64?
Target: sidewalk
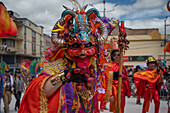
column 130, row 107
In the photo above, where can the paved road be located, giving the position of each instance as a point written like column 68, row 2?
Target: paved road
column 130, row 107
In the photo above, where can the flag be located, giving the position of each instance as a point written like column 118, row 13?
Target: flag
column 167, row 47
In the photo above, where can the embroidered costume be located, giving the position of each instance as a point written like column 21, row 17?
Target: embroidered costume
column 73, row 62
column 125, row 86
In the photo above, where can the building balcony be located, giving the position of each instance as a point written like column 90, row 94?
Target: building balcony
column 19, row 36
column 11, row 50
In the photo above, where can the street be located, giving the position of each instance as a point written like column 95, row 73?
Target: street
column 130, row 107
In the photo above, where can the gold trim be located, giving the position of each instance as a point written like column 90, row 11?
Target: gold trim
column 54, row 67
column 74, row 63
column 85, row 93
column 78, row 104
column 52, row 59
column 43, row 100
column 59, row 108
column 57, row 78
column 75, row 92
column 109, row 86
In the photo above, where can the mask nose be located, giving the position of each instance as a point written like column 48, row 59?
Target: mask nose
column 83, row 36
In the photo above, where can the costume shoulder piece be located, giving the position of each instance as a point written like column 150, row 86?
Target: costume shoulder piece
column 54, row 67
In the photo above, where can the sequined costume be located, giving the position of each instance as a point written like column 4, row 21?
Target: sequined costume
column 76, row 38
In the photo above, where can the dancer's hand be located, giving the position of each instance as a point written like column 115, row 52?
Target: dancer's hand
column 76, row 75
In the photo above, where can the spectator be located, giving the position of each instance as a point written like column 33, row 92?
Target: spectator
column 8, row 89
column 160, row 62
column 165, row 73
column 18, row 88
column 26, row 77
column 168, row 85
column 168, row 71
column 2, row 78
column 130, row 74
column 4, row 47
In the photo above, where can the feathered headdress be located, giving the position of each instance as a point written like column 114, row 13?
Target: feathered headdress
column 32, row 67
column 3, row 66
column 25, row 66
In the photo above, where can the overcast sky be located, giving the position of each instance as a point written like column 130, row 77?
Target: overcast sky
column 135, row 13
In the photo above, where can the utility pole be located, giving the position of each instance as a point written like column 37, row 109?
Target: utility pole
column 104, row 10
column 104, row 1
column 165, row 36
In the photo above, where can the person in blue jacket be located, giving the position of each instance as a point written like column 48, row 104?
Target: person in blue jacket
column 2, row 81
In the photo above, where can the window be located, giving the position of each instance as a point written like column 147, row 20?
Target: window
column 9, row 59
column 19, row 59
column 25, row 30
column 24, row 22
column 25, row 45
column 33, row 47
column 9, row 42
column 168, row 38
column 33, row 34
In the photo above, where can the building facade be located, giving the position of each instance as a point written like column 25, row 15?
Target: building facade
column 143, row 44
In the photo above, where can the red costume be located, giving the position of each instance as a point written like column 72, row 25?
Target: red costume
column 125, row 86
column 149, row 78
column 138, row 83
column 103, row 105
column 34, row 102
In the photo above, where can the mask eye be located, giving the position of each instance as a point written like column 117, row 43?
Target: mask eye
column 75, row 45
column 71, row 21
column 88, row 45
column 88, row 21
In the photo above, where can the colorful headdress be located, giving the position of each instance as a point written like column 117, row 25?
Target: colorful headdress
column 25, row 66
column 108, row 23
column 3, row 66
column 79, row 26
column 151, row 60
column 33, row 67
column 76, row 28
